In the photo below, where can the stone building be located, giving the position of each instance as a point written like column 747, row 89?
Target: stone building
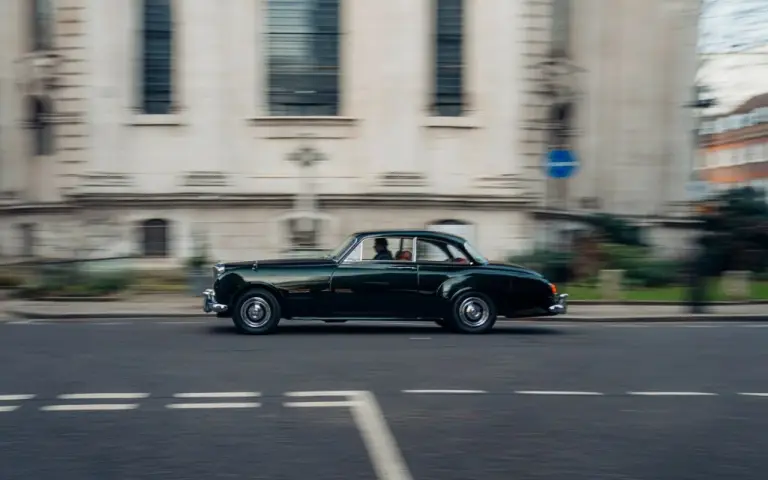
column 257, row 126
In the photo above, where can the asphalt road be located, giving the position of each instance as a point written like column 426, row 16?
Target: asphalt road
column 133, row 400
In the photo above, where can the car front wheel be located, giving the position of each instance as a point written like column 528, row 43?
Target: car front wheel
column 257, row 312
column 472, row 312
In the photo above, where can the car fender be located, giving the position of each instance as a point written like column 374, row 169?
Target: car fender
column 231, row 285
column 454, row 286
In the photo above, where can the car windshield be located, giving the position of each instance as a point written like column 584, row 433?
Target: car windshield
column 475, row 253
column 336, row 253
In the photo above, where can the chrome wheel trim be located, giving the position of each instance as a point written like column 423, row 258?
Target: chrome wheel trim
column 474, row 312
column 255, row 312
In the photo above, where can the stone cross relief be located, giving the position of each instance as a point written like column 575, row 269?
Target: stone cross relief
column 304, row 227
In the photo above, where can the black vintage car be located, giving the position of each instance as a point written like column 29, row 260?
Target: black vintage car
column 393, row 274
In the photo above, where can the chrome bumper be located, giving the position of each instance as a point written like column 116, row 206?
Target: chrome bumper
column 210, row 304
column 560, row 307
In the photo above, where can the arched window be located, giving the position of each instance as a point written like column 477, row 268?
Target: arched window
column 157, row 57
column 39, row 122
column 154, row 238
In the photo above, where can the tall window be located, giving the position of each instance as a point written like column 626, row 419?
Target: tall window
column 154, row 238
column 41, row 18
column 157, row 64
column 561, row 28
column 449, row 59
column 42, row 128
column 303, row 57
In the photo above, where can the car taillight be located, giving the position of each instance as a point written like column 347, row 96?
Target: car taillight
column 553, row 287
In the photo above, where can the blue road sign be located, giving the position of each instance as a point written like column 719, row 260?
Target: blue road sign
column 561, row 164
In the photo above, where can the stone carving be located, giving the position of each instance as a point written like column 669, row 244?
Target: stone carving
column 305, row 222
column 37, row 72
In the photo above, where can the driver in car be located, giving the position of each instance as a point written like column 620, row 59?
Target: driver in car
column 382, row 249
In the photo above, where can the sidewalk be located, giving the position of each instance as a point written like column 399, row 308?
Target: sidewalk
column 179, row 306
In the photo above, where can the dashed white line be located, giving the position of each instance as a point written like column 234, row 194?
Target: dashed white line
column 445, row 391
column 101, row 396
column 218, row 405
column 322, row 393
column 556, row 392
column 8, row 408
column 15, row 398
column 310, row 404
column 674, row 394
column 90, row 407
column 217, row 394
column 754, row 394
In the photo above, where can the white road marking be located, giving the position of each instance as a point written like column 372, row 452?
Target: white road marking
column 555, row 392
column 754, row 394
column 754, row 325
column 445, row 391
column 8, row 408
column 90, row 407
column 111, row 323
column 184, row 406
column 339, row 403
column 674, row 394
column 15, row 398
column 101, row 396
column 383, row 451
column 420, row 338
column 329, row 393
column 217, row 394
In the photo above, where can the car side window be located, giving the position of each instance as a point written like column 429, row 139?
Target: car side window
column 384, row 249
column 437, row 251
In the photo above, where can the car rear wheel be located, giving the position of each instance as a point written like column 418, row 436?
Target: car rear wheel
column 472, row 312
column 256, row 312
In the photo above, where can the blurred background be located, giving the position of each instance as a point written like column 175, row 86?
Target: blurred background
column 619, row 146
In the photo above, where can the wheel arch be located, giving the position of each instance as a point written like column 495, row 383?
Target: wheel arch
column 248, row 286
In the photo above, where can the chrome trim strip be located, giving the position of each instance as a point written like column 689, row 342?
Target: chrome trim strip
column 210, row 304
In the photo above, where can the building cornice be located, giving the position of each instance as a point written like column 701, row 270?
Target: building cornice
column 281, row 201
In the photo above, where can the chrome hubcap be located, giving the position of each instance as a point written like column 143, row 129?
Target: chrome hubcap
column 474, row 312
column 255, row 312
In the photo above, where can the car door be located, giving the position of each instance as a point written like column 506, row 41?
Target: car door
column 364, row 287
column 437, row 262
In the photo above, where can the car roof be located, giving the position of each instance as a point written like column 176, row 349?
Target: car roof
column 448, row 237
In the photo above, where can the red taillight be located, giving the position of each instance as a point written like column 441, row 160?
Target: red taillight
column 553, row 288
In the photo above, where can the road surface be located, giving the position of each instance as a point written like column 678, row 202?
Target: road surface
column 147, row 399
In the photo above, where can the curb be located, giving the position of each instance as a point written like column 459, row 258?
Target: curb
column 28, row 315
column 664, row 303
column 679, row 318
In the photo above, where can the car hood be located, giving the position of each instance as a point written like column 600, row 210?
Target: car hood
column 511, row 267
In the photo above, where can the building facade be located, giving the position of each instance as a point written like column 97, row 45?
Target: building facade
column 258, row 126
column 735, row 146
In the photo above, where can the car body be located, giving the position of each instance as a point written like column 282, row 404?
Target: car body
column 442, row 278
